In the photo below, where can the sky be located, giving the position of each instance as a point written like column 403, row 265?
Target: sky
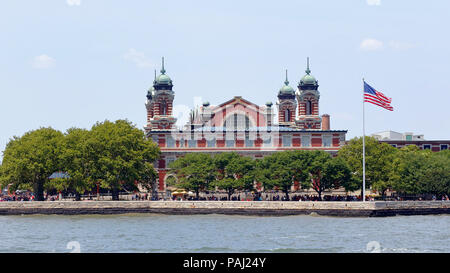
column 71, row 63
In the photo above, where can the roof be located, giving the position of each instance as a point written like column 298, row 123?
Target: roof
column 59, row 175
column 397, row 141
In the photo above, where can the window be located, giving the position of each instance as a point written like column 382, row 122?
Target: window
column 426, row 146
column 287, row 115
column 163, row 108
column 182, row 142
column 211, row 143
column 247, row 122
column 155, row 138
column 170, row 142
column 326, row 140
column 287, row 141
column 308, row 107
column 444, row 147
column 408, row 137
column 192, row 143
column 267, row 142
column 248, row 141
column 237, row 122
column 229, row 143
column 306, row 141
column 169, row 160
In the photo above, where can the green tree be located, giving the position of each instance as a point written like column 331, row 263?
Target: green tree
column 327, row 172
column 234, row 172
column 58, row 184
column 282, row 169
column 299, row 164
column 222, row 160
column 121, row 156
column 407, row 169
column 194, row 171
column 436, row 175
column 421, row 172
column 243, row 170
column 379, row 157
column 29, row 160
column 77, row 163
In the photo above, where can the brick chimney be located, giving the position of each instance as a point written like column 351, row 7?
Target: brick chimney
column 325, row 122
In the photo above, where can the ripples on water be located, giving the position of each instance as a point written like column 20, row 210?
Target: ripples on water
column 223, row 233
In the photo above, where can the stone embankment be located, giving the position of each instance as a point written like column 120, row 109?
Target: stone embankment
column 261, row 208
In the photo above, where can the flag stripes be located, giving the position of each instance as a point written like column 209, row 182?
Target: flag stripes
column 376, row 102
column 383, row 97
column 377, row 98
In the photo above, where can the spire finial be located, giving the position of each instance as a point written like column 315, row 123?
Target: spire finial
column 307, row 66
column 155, row 74
column 162, row 69
column 286, row 82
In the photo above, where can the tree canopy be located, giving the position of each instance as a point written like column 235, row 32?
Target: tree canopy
column 195, row 171
column 327, row 172
column 75, row 160
column 234, row 172
column 29, row 160
column 282, row 169
column 121, row 156
column 115, row 154
column 379, row 157
column 421, row 172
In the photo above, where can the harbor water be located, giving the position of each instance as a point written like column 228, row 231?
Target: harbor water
column 223, row 233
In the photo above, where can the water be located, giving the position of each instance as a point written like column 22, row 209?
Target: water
column 223, row 233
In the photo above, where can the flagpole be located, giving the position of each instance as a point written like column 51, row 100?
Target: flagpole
column 364, row 153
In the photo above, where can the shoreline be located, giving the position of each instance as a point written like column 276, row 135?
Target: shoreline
column 254, row 208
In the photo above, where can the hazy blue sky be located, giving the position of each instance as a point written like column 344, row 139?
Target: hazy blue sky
column 67, row 63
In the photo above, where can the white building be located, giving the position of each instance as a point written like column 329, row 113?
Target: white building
column 391, row 135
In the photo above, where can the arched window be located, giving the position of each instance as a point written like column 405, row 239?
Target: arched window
column 308, row 107
column 237, row 122
column 163, row 106
column 287, row 115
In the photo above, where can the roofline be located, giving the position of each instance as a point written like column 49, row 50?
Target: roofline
column 387, row 131
column 218, row 131
column 410, row 141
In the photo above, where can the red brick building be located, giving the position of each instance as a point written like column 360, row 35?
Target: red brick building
column 433, row 145
column 240, row 125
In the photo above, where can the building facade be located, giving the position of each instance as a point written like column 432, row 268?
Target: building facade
column 240, row 125
column 400, row 140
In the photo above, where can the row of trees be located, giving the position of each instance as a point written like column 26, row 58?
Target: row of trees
column 114, row 155
column 406, row 171
column 231, row 172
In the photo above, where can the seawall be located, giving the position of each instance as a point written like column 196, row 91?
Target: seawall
column 261, row 208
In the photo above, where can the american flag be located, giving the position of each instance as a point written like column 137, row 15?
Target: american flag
column 375, row 97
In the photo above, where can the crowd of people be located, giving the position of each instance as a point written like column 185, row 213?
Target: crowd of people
column 29, row 196
column 269, row 197
column 139, row 197
column 17, row 196
column 296, row 197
